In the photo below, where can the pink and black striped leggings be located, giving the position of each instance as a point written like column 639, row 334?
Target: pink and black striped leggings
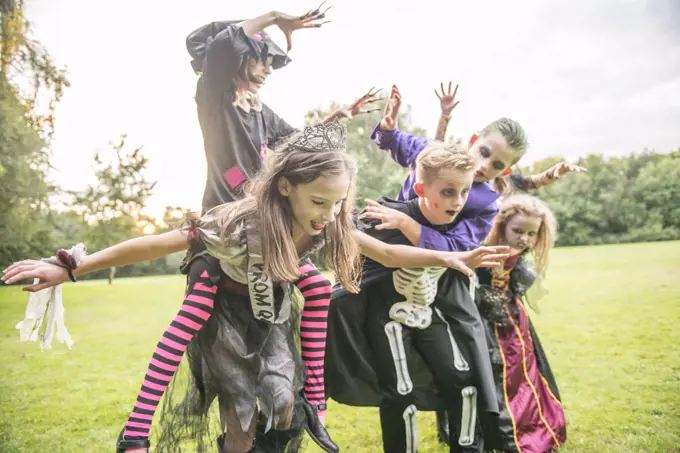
column 197, row 308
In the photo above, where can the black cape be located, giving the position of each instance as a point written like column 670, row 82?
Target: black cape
column 350, row 377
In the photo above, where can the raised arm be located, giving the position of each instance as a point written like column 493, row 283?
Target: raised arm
column 358, row 107
column 132, row 251
column 447, row 102
column 198, row 41
column 403, row 147
column 224, row 43
column 442, row 125
column 224, row 50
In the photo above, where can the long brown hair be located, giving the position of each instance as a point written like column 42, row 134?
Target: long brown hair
column 532, row 207
column 264, row 203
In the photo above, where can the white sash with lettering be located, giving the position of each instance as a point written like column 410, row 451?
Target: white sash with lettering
column 260, row 286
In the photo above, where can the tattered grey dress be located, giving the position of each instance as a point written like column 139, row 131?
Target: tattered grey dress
column 246, row 355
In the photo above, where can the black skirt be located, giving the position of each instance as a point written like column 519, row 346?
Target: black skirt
column 249, row 366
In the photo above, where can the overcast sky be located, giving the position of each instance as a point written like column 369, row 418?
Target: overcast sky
column 582, row 76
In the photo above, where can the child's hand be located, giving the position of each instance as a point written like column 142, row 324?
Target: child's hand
column 391, row 113
column 391, row 218
column 447, row 100
column 48, row 274
column 486, row 256
column 288, row 24
column 358, row 107
column 479, row 257
column 555, row 172
column 558, row 170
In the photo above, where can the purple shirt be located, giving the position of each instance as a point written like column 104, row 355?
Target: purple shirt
column 474, row 221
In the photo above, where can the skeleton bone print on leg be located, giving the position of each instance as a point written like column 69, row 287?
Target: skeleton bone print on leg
column 419, row 287
column 411, row 429
column 396, row 342
column 468, row 417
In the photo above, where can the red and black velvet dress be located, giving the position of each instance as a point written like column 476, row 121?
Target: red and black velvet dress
column 531, row 416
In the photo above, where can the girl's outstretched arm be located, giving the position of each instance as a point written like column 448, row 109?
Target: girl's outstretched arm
column 392, row 255
column 132, row 251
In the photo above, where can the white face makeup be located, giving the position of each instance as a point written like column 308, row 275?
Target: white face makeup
column 494, row 154
column 521, row 232
column 444, row 196
column 257, row 73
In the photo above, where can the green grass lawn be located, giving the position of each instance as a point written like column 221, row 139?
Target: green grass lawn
column 609, row 325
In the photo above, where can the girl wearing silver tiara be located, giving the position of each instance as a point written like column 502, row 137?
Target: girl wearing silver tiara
column 245, row 355
column 234, row 59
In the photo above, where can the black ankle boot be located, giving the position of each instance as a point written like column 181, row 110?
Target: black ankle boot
column 220, row 444
column 274, row 440
column 123, row 444
column 315, row 428
column 443, row 426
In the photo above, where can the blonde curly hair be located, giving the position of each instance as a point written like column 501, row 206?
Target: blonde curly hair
column 533, row 207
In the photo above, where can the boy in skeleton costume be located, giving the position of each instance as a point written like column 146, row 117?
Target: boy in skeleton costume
column 371, row 357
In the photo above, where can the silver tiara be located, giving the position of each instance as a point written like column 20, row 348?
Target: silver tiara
column 329, row 137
